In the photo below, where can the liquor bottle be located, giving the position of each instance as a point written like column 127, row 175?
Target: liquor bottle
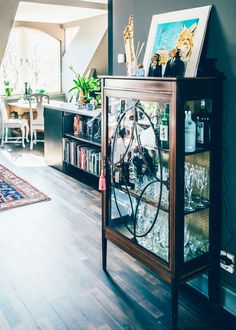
column 190, row 132
column 164, row 129
column 156, row 120
column 203, row 126
column 138, row 162
column 116, row 175
column 29, row 91
column 26, row 95
column 149, row 168
column 122, row 106
column 132, row 171
column 121, row 168
column 125, row 168
column 117, row 171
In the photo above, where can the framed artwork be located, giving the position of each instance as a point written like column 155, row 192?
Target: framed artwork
column 178, row 34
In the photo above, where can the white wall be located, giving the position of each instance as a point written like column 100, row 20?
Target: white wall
column 83, row 48
column 7, row 14
column 100, row 58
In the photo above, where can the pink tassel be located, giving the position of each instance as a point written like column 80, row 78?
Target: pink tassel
column 102, row 182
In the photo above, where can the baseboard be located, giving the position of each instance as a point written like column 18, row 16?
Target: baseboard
column 227, row 296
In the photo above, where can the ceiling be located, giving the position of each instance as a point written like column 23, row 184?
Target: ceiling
column 47, row 13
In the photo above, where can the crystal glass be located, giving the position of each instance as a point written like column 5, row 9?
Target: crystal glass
column 194, row 244
column 201, row 183
column 189, row 184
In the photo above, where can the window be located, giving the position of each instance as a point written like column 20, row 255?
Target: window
column 32, row 56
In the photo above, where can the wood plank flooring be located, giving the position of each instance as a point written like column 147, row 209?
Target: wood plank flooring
column 50, row 264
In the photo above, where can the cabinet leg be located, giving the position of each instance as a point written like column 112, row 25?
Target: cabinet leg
column 174, row 306
column 104, row 251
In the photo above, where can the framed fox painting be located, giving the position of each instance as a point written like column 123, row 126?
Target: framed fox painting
column 176, row 35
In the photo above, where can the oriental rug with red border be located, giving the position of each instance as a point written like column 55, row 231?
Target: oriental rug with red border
column 15, row 191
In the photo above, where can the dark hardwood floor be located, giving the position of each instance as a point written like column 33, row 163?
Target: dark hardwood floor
column 50, row 264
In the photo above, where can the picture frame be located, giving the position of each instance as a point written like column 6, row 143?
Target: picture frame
column 183, row 30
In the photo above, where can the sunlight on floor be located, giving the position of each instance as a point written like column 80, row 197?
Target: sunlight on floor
column 23, row 158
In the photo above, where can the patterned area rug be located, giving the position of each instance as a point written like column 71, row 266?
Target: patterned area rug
column 15, row 191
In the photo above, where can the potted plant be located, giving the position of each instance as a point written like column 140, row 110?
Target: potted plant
column 8, row 89
column 84, row 85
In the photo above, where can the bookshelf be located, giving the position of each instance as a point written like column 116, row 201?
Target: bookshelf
column 76, row 153
column 83, row 156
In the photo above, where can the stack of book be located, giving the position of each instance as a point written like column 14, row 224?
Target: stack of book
column 82, row 156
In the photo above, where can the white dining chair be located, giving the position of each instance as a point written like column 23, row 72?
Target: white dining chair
column 7, row 123
column 36, row 119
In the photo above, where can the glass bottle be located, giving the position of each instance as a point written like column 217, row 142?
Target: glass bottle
column 203, row 126
column 116, row 175
column 122, row 106
column 138, row 163
column 125, row 168
column 117, row 171
column 190, row 133
column 29, row 91
column 156, row 120
column 121, row 169
column 164, row 129
column 26, row 96
column 132, row 171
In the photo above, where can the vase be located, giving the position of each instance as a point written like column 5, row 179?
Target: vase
column 81, row 96
column 132, row 69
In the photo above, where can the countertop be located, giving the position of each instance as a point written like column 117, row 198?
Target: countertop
column 71, row 108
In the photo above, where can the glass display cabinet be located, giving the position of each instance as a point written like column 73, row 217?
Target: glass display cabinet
column 161, row 151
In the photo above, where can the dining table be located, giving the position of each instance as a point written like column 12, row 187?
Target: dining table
column 20, row 107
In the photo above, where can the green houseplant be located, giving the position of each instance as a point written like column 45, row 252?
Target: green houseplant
column 8, row 89
column 84, row 86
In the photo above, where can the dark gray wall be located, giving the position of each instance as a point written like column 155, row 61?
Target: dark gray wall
column 221, row 45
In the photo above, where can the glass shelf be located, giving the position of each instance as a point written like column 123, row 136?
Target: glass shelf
column 155, row 204
column 137, row 196
column 197, row 151
column 196, row 208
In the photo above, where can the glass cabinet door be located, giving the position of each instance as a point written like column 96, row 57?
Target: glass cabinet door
column 138, row 159
column 197, row 171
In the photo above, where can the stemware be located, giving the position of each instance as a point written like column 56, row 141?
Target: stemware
column 201, row 182
column 189, row 183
